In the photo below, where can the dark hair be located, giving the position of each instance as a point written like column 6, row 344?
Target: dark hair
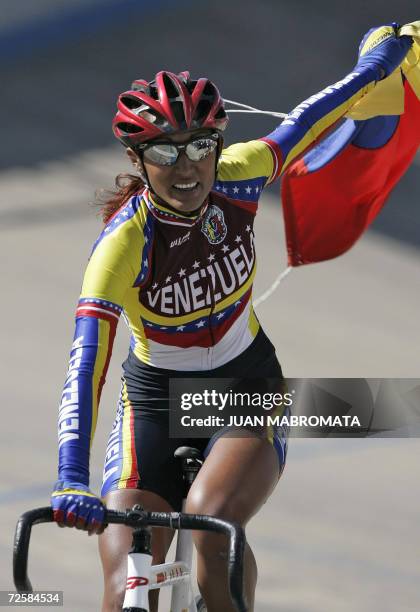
column 110, row 201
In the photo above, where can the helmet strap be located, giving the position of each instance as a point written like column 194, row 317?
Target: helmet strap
column 218, row 154
column 143, row 174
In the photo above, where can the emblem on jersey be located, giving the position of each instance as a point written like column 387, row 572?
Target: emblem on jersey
column 214, row 226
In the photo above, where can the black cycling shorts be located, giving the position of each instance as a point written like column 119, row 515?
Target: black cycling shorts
column 140, row 453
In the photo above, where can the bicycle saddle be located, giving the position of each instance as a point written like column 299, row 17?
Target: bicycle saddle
column 188, row 452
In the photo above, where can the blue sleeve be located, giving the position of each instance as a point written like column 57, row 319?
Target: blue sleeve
column 315, row 116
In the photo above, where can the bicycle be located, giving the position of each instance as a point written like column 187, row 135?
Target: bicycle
column 142, row 576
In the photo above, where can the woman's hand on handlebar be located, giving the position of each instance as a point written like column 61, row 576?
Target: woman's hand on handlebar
column 74, row 505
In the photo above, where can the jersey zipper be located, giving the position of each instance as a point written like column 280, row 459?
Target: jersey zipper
column 210, row 349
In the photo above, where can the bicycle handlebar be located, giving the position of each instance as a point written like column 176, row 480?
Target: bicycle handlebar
column 137, row 518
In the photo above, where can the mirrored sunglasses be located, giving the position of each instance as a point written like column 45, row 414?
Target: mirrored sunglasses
column 167, row 153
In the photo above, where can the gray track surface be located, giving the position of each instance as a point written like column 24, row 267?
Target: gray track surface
column 341, row 531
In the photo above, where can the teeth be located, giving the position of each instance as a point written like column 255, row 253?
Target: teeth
column 186, row 185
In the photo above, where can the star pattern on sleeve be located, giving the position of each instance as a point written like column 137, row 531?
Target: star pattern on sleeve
column 242, row 190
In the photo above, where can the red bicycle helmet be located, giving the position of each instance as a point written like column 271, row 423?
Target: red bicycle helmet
column 171, row 103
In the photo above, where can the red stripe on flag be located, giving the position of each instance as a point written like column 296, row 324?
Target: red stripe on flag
column 326, row 211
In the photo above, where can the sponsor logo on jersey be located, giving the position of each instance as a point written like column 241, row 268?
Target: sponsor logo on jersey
column 180, row 240
column 214, row 226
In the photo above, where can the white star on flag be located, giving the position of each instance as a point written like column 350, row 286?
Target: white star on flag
column 180, row 328
column 200, row 324
column 236, row 189
column 248, row 189
column 125, row 213
column 220, row 315
column 224, row 190
column 146, row 240
column 163, row 328
column 238, row 239
column 218, row 187
column 106, row 229
column 196, row 265
column 181, row 272
column 257, row 189
column 211, row 257
column 225, row 248
column 116, row 220
column 146, row 263
column 149, row 324
column 237, row 302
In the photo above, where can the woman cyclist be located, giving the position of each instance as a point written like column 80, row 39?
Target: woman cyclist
column 177, row 258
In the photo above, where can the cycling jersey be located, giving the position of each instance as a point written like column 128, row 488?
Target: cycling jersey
column 184, row 283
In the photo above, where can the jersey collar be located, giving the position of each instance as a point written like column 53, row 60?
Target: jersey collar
column 167, row 215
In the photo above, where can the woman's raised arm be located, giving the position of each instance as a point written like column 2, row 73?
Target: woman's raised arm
column 380, row 53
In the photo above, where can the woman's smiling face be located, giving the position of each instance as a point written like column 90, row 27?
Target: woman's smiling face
column 186, row 184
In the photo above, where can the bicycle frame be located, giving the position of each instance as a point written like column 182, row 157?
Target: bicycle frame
column 143, row 577
column 182, row 591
